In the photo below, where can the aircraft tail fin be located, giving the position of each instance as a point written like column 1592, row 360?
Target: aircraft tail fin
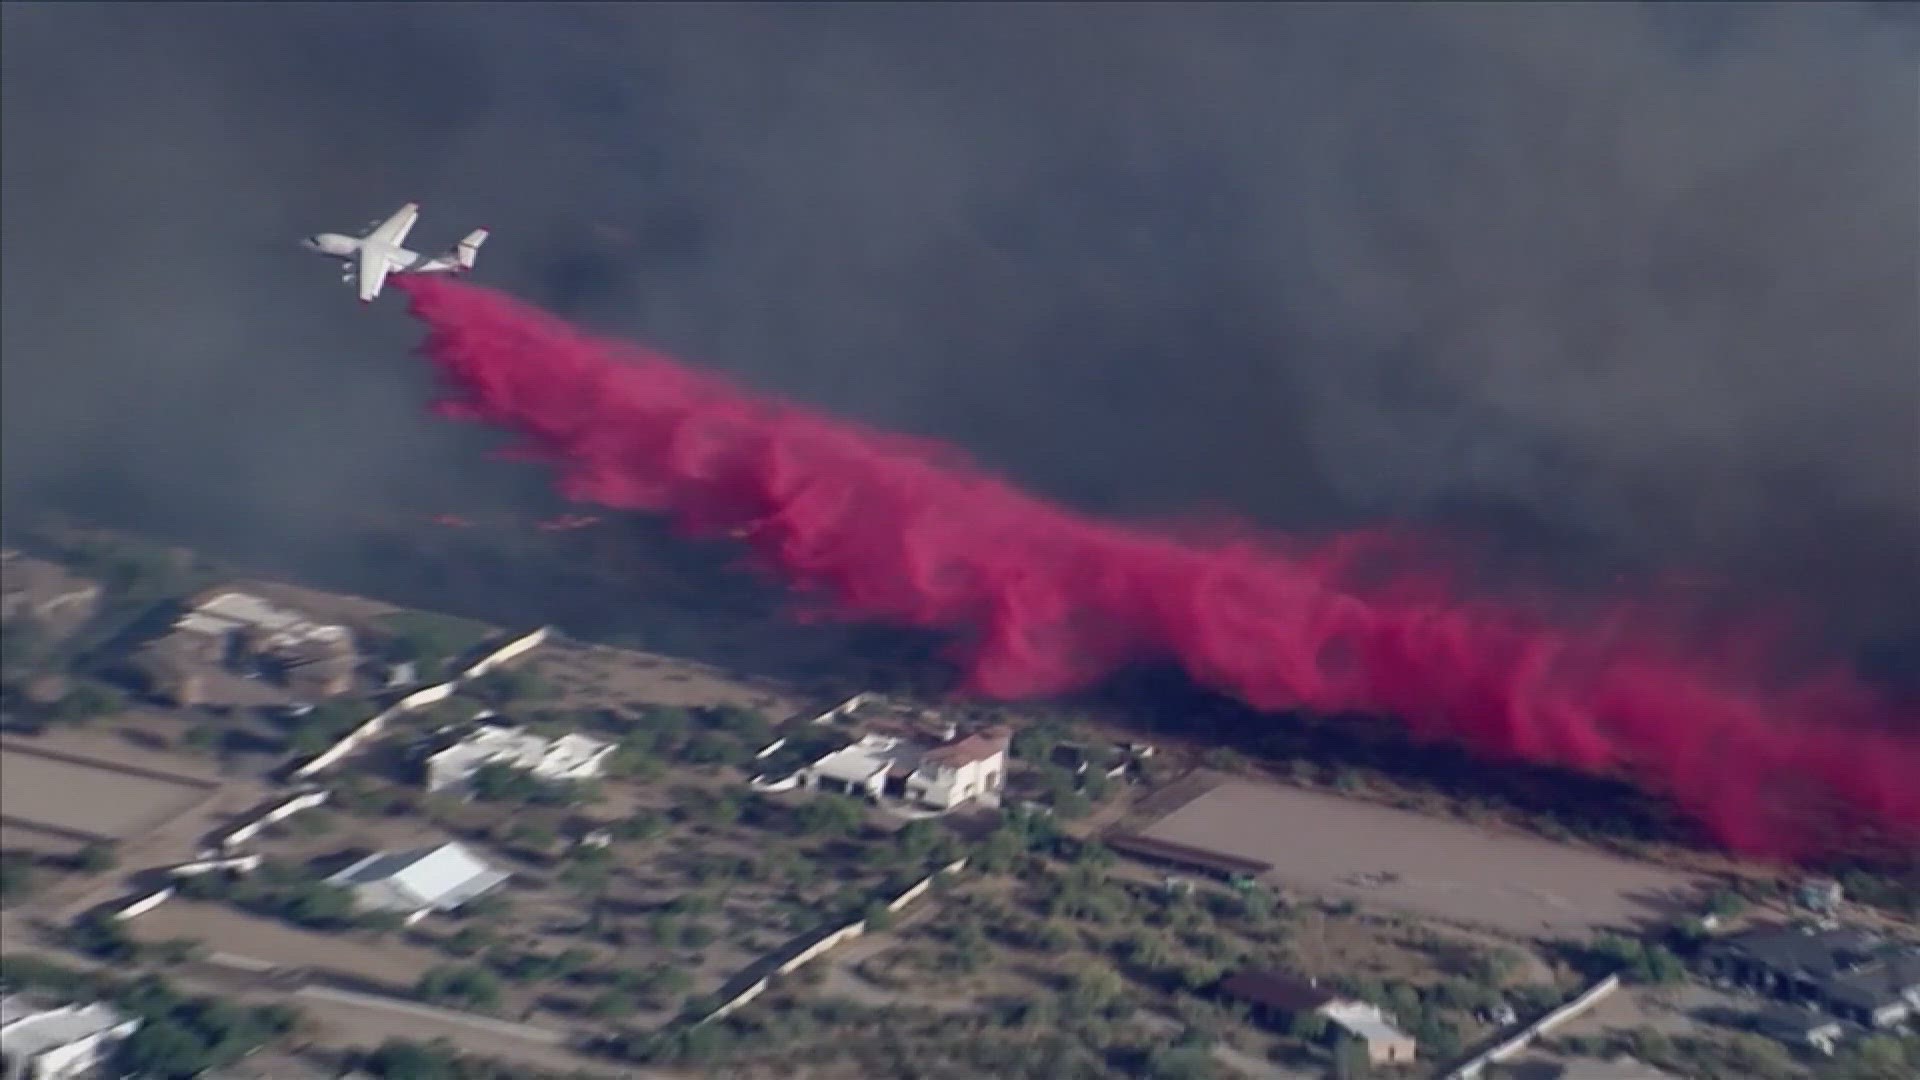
column 468, row 249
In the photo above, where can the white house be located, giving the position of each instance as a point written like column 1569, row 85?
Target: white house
column 960, row 770
column 940, row 777
column 863, row 768
column 58, row 1043
column 571, row 757
column 421, row 881
column 1385, row 1043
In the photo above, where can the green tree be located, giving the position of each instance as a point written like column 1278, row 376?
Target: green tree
column 398, row 1059
column 96, row 857
column 461, row 984
column 1877, row 1057
column 164, row 1048
column 1350, row 1060
column 319, row 905
column 610, row 1004
column 830, row 815
column 1179, row 1063
column 16, row 876
column 87, row 700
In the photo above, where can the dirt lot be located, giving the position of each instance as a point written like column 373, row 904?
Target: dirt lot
column 90, row 798
column 588, row 675
column 1516, row 884
column 389, row 960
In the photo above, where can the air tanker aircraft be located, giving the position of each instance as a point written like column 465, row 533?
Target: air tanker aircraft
column 371, row 257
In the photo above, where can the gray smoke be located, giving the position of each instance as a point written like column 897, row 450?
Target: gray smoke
column 1615, row 284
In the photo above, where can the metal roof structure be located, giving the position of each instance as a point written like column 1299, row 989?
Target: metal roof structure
column 28, row 1030
column 1277, row 990
column 426, row 879
column 495, row 744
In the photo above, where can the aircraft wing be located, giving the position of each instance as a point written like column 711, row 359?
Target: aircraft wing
column 393, row 231
column 373, row 274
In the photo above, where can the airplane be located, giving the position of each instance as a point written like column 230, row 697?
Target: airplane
column 369, row 258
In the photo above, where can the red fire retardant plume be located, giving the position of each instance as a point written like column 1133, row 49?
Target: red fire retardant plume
column 885, row 528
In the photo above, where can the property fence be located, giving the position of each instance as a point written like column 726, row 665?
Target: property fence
column 420, row 699
column 818, row 946
column 238, row 838
column 244, row 864
column 144, row 904
column 1588, row 998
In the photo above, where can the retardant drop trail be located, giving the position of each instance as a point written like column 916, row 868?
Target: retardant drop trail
column 880, row 527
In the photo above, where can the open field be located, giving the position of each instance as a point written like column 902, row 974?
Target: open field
column 588, row 675
column 1516, row 884
column 392, row 960
column 104, row 800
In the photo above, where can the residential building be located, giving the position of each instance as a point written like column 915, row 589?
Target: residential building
column 570, row 758
column 224, row 627
column 961, row 770
column 56, row 601
column 862, row 769
column 1851, row 974
column 1882, row 994
column 1800, row 1027
column 179, row 666
column 419, row 882
column 60, row 1043
column 1790, row 963
column 1820, row 895
column 1280, row 999
column 1372, row 1028
column 941, row 777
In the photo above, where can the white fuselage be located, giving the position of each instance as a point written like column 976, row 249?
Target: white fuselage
column 402, row 260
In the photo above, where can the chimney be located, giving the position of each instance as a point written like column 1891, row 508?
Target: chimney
column 950, row 732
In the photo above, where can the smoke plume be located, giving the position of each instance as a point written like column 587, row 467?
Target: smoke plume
column 1609, row 285
column 878, row 527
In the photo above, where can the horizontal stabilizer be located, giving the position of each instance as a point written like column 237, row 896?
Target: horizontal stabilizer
column 469, row 248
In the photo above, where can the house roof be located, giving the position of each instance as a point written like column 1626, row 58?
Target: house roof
column 222, row 612
column 28, row 1030
column 441, row 878
column 977, row 747
column 496, row 744
column 1276, row 990
column 1791, row 1020
column 866, row 759
column 1807, row 954
column 1885, row 982
column 1366, row 1021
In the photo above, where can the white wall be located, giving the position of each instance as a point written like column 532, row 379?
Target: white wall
column 828, row 943
column 1590, row 997
column 420, row 699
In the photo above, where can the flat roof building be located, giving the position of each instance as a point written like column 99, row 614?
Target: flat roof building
column 570, row 758
column 60, row 1043
column 418, row 882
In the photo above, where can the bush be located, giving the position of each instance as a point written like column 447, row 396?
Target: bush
column 461, row 984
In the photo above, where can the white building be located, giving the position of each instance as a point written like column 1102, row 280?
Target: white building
column 59, row 1043
column 571, row 757
column 421, row 881
column 961, row 770
column 267, row 626
column 1386, row 1044
column 941, row 777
